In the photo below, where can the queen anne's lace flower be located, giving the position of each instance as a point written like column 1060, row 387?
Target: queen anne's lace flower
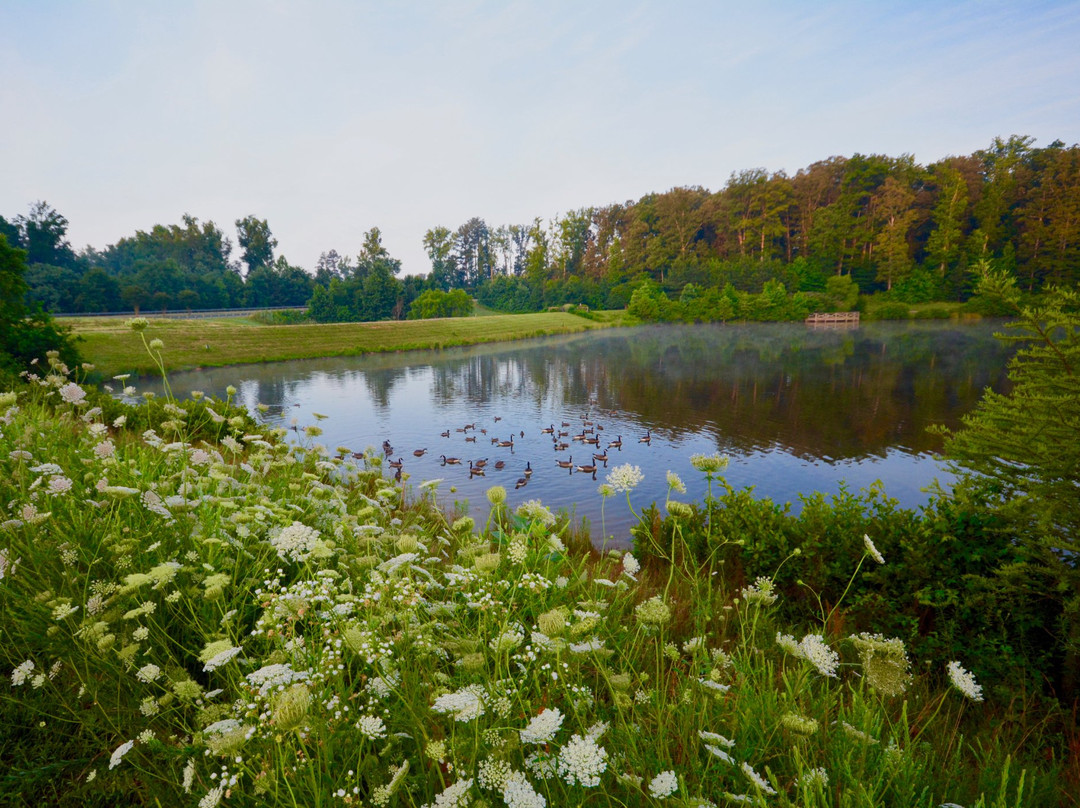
column 464, row 705
column 871, row 550
column 756, row 778
column 296, row 541
column 371, row 726
column 664, row 785
column 814, row 650
column 964, row 681
column 630, row 565
column 542, row 728
column 72, row 393
column 455, row 795
column 625, row 477
column 582, row 761
column 119, row 752
column 519, row 793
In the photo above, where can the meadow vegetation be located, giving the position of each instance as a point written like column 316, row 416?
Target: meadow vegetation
column 108, row 344
column 197, row 612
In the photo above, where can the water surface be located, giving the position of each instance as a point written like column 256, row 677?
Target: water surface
column 797, row 409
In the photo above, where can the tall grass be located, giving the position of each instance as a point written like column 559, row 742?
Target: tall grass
column 239, row 621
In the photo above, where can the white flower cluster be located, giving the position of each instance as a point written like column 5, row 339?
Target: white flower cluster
column 72, row 393
column 582, row 761
column 464, row 705
column 872, row 550
column 625, row 477
column 296, row 541
column 275, row 677
column 371, row 727
column 964, row 681
column 664, row 785
column 455, row 795
column 757, row 779
column 542, row 728
column 630, row 565
column 814, row 650
column 535, row 511
column 519, row 793
column 119, row 753
column 761, row 592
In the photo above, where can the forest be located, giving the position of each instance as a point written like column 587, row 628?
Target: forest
column 891, row 227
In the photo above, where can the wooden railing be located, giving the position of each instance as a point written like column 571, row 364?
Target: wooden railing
column 832, row 317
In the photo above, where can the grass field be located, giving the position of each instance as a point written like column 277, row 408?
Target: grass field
column 109, row 344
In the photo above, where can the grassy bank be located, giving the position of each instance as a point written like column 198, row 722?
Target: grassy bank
column 197, row 614
column 108, row 343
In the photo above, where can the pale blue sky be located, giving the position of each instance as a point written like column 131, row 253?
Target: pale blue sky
column 328, row 118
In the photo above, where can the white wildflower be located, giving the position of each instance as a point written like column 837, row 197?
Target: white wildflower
column 535, row 511
column 72, row 393
column 455, row 796
column 118, row 754
column 148, row 673
column 297, row 541
column 624, row 478
column 372, row 727
column 756, row 778
column 664, row 785
column 964, row 681
column 22, row 672
column 630, row 565
column 582, row 761
column 872, row 550
column 542, row 728
column 212, row 798
column 817, row 653
column 814, row 777
column 464, row 704
column 519, row 793
column 710, row 464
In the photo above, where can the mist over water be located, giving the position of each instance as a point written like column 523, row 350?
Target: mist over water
column 798, row 410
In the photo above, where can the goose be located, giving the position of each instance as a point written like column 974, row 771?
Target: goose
column 481, row 463
column 563, row 434
column 561, row 447
column 395, row 464
column 452, row 461
column 528, row 469
column 445, row 434
column 602, row 457
column 616, row 444
column 387, row 448
column 494, row 441
column 595, row 441
column 505, row 443
column 500, row 464
column 565, row 464
column 521, row 483
column 498, row 418
column 470, row 438
column 419, row 452
column 590, row 469
column 471, row 426
column 550, row 430
column 579, row 438
column 647, row 438
column 475, row 471
column 397, row 475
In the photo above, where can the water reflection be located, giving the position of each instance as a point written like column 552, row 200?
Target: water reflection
column 798, row 409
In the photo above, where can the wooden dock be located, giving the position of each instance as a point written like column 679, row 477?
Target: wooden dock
column 833, row 318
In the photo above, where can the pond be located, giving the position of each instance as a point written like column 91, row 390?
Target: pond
column 797, row 409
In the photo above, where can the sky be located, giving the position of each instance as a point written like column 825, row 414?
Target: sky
column 328, row 118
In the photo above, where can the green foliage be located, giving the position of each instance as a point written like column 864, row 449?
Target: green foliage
column 437, row 303
column 841, row 293
column 996, row 293
column 889, row 310
column 1020, row 451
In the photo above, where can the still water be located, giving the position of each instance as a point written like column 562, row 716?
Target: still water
column 797, row 409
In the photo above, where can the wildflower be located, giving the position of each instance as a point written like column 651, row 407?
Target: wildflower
column 582, row 761
column 72, row 393
column 858, row 734
column 606, row 490
column 492, row 773
column 720, row 753
column 436, row 750
column 625, row 477
column 679, row 510
column 814, row 777
column 714, row 737
column 756, row 778
column 872, row 550
column 709, row 464
column 118, row 754
column 22, row 673
column 464, row 704
column 534, row 511
column 371, row 727
column 464, row 524
column 156, row 344
column 496, row 495
column 517, row 792
column 799, row 724
column 884, row 662
column 814, row 650
column 148, row 673
column 189, row 776
column 213, row 661
column 507, row 641
column 297, row 541
column 630, row 565
column 137, row 324
column 212, row 798
column 964, row 681
column 292, row 707
column 58, row 486
column 653, row 611
column 664, row 785
column 761, row 592
column 674, row 483
column 92, row 776
column 454, row 796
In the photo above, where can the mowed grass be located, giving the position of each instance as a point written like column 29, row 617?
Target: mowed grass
column 107, row 342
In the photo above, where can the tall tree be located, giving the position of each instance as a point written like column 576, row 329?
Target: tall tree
column 894, row 216
column 439, row 246
column 44, row 236
column 256, row 242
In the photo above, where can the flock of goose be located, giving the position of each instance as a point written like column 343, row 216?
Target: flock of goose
column 562, row 441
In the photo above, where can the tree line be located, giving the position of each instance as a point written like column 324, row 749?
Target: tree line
column 891, row 226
